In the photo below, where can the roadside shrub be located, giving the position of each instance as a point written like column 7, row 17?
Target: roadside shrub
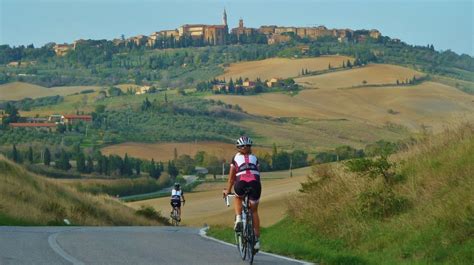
column 150, row 213
column 87, row 91
column 381, row 203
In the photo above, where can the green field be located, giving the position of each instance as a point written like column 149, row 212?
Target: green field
column 436, row 227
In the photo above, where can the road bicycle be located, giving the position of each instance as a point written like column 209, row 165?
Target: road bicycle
column 245, row 238
column 175, row 216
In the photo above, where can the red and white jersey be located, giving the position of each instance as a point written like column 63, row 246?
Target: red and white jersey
column 246, row 167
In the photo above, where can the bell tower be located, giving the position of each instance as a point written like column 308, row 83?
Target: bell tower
column 224, row 18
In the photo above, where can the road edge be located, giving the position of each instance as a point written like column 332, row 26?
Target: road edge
column 53, row 243
column 203, row 233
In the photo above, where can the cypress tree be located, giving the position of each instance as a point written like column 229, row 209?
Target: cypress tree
column 15, row 155
column 127, row 167
column 138, row 167
column 30, row 155
column 81, row 162
column 349, row 64
column 63, row 161
column 89, row 165
column 172, row 170
column 47, row 157
column 152, row 169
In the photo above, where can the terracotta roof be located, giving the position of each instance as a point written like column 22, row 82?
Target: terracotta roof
column 77, row 116
column 26, row 124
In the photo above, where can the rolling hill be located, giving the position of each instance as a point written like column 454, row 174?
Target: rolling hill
column 165, row 151
column 29, row 199
column 20, row 90
column 427, row 104
column 280, row 67
column 372, row 74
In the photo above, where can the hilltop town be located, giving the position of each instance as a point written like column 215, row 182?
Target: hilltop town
column 202, row 35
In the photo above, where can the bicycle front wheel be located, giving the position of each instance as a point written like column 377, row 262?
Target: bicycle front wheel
column 241, row 244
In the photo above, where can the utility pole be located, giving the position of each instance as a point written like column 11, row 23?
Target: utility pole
column 223, row 170
column 291, row 159
column 291, row 164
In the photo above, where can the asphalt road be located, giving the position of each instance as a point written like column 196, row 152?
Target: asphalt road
column 118, row 245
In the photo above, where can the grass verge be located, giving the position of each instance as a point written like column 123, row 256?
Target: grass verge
column 295, row 240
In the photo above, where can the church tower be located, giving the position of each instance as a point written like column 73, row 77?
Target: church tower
column 224, row 18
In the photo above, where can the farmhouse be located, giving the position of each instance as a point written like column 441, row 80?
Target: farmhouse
column 56, row 118
column 219, row 86
column 142, row 90
column 37, row 126
column 73, row 119
column 3, row 116
column 248, row 84
column 13, row 64
column 36, row 120
column 273, row 82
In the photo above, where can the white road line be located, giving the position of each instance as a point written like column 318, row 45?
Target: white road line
column 202, row 232
column 53, row 243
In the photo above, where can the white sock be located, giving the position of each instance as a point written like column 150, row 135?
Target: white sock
column 238, row 218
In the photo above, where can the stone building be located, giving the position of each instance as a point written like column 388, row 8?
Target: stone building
column 62, row 49
column 241, row 30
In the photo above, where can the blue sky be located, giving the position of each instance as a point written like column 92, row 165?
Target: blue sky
column 445, row 24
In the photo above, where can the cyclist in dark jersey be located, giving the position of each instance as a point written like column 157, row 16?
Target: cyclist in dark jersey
column 244, row 172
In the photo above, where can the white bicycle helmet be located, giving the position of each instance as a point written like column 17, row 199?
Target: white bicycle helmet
column 243, row 140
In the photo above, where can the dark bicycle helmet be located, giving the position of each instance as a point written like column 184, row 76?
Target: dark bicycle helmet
column 177, row 185
column 243, row 140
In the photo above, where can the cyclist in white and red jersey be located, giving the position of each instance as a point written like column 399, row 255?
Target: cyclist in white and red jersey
column 244, row 172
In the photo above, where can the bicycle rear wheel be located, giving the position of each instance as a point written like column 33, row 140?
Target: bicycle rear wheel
column 174, row 217
column 250, row 238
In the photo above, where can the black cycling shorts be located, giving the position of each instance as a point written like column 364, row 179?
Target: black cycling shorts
column 254, row 193
column 176, row 203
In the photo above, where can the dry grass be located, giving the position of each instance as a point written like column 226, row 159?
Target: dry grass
column 321, row 135
column 373, row 74
column 280, row 67
column 71, row 103
column 20, row 90
column 333, row 201
column 207, row 205
column 165, row 151
column 38, row 200
column 426, row 105
column 439, row 186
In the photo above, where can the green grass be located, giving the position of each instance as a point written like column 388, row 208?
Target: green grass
column 295, row 240
column 6, row 220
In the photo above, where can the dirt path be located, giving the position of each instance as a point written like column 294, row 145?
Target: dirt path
column 208, row 207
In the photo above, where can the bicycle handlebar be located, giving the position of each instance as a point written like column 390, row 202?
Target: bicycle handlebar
column 226, row 198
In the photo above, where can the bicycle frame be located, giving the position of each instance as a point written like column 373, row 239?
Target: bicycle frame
column 175, row 216
column 245, row 240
